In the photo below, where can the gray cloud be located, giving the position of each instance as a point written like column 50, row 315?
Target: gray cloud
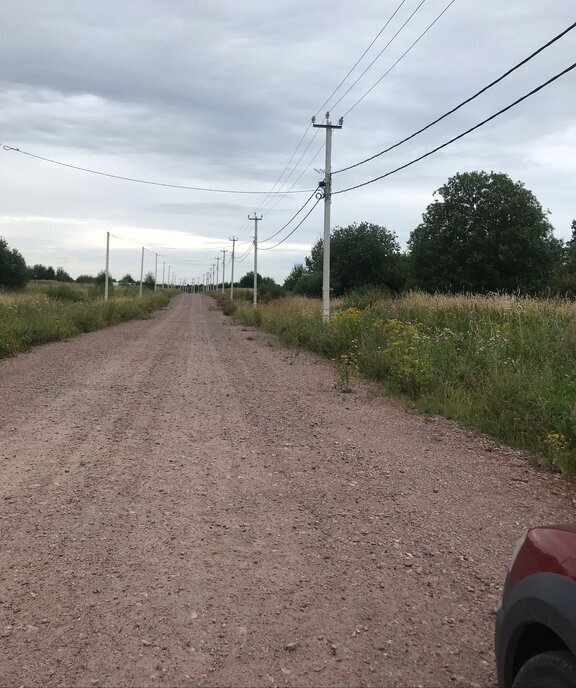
column 219, row 93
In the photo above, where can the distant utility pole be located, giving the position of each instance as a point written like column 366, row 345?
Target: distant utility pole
column 233, row 240
column 156, row 273
column 107, row 266
column 141, row 271
column 217, row 259
column 327, row 200
column 163, row 268
column 223, row 268
column 168, row 280
column 256, row 220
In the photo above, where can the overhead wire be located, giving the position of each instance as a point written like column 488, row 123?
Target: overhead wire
column 290, row 220
column 269, row 248
column 420, row 37
column 379, row 54
column 463, row 134
column 360, row 58
column 144, row 181
column 464, row 102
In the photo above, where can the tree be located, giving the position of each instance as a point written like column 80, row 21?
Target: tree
column 149, row 281
column 85, row 279
column 13, row 270
column 62, row 275
column 570, row 253
column 42, row 272
column 127, row 279
column 360, row 254
column 296, row 274
column 247, row 282
column 486, row 233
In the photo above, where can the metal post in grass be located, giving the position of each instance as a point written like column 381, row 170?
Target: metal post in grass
column 107, row 266
column 156, row 272
column 141, row 271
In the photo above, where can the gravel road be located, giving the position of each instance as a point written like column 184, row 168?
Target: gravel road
column 183, row 503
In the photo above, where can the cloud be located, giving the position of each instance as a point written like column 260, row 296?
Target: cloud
column 219, row 94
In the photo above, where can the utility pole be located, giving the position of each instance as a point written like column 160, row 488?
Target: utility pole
column 156, row 273
column 141, row 271
column 233, row 240
column 217, row 259
column 223, row 268
column 256, row 220
column 107, row 266
column 327, row 201
column 168, row 279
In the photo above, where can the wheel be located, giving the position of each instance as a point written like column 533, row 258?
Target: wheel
column 548, row 670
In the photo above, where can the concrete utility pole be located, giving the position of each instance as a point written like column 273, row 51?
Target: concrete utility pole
column 163, row 268
column 233, row 240
column 156, row 273
column 223, row 268
column 217, row 259
column 141, row 271
column 327, row 200
column 107, row 266
column 256, row 220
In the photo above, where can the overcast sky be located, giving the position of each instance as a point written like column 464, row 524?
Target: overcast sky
column 215, row 93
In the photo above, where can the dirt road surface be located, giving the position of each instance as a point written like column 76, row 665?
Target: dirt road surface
column 182, row 504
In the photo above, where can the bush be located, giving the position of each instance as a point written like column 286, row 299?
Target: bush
column 65, row 292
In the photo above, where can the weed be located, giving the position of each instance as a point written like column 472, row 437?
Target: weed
column 504, row 364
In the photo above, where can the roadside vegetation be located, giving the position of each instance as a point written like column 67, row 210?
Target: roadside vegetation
column 500, row 363
column 46, row 311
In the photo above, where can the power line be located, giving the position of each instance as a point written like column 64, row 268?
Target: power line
column 151, row 249
column 145, row 181
column 269, row 248
column 464, row 102
column 285, row 168
column 278, row 199
column 360, row 58
column 264, row 203
column 379, row 54
column 465, row 133
column 246, row 254
column 420, row 37
column 290, row 220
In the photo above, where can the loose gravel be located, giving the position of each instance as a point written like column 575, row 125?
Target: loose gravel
column 184, row 503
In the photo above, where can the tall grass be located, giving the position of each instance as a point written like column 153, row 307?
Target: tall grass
column 503, row 364
column 51, row 311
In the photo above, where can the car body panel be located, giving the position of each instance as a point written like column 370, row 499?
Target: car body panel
column 538, row 611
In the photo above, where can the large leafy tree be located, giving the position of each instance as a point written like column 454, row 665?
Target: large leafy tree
column 13, row 270
column 485, row 232
column 360, row 254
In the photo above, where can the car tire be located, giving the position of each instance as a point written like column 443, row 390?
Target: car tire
column 547, row 670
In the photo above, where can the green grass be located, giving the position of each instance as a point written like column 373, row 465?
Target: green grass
column 503, row 364
column 49, row 311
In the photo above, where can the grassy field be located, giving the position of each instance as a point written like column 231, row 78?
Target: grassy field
column 48, row 311
column 503, row 364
